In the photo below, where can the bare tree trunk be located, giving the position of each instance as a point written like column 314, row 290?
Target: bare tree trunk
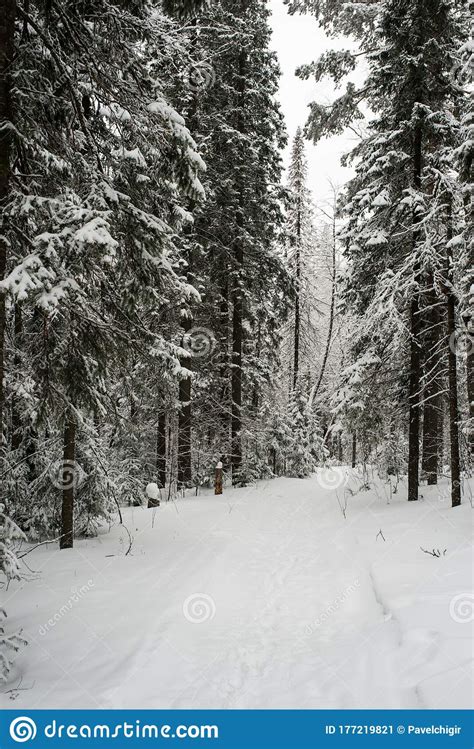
column 16, row 438
column 468, row 318
column 316, row 387
column 236, row 295
column 161, row 448
column 339, row 448
column 452, row 377
column 415, row 349
column 184, row 421
column 432, row 389
column 354, row 450
column 68, row 481
column 218, row 479
column 7, row 50
column 296, row 338
column 236, row 376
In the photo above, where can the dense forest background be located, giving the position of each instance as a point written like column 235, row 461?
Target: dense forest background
column 171, row 299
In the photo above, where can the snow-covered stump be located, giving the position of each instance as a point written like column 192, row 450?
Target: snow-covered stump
column 153, row 493
column 218, row 479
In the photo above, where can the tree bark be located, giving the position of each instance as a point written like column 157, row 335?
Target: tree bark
column 452, row 376
column 316, row 387
column 184, row 421
column 218, row 479
column 354, row 450
column 415, row 350
column 16, row 432
column 432, row 390
column 236, row 376
column 296, row 339
column 161, row 449
column 68, row 481
column 236, row 294
column 7, row 50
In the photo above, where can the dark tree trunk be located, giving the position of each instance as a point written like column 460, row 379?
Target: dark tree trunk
column 469, row 323
column 354, row 450
column 452, row 378
column 17, row 436
column 184, row 421
column 432, row 389
column 161, row 449
column 68, row 484
column 236, row 377
column 415, row 350
column 218, row 479
column 7, row 49
column 237, row 298
column 296, row 339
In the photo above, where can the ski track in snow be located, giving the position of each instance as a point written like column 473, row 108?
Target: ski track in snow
column 301, row 609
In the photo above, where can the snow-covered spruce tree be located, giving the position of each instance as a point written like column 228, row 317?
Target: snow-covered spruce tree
column 100, row 163
column 410, row 48
column 232, row 246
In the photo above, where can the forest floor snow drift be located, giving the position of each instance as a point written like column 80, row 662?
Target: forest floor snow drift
column 295, row 593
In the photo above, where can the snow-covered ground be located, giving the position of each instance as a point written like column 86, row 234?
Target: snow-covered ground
column 266, row 597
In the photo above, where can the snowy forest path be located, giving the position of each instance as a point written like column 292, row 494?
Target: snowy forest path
column 269, row 596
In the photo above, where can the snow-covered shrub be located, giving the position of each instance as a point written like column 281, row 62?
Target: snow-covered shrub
column 9, row 570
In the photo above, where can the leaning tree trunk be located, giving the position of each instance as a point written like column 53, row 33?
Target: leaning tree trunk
column 68, row 483
column 415, row 349
column 7, row 50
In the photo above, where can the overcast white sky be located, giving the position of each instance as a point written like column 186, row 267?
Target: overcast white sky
column 298, row 40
